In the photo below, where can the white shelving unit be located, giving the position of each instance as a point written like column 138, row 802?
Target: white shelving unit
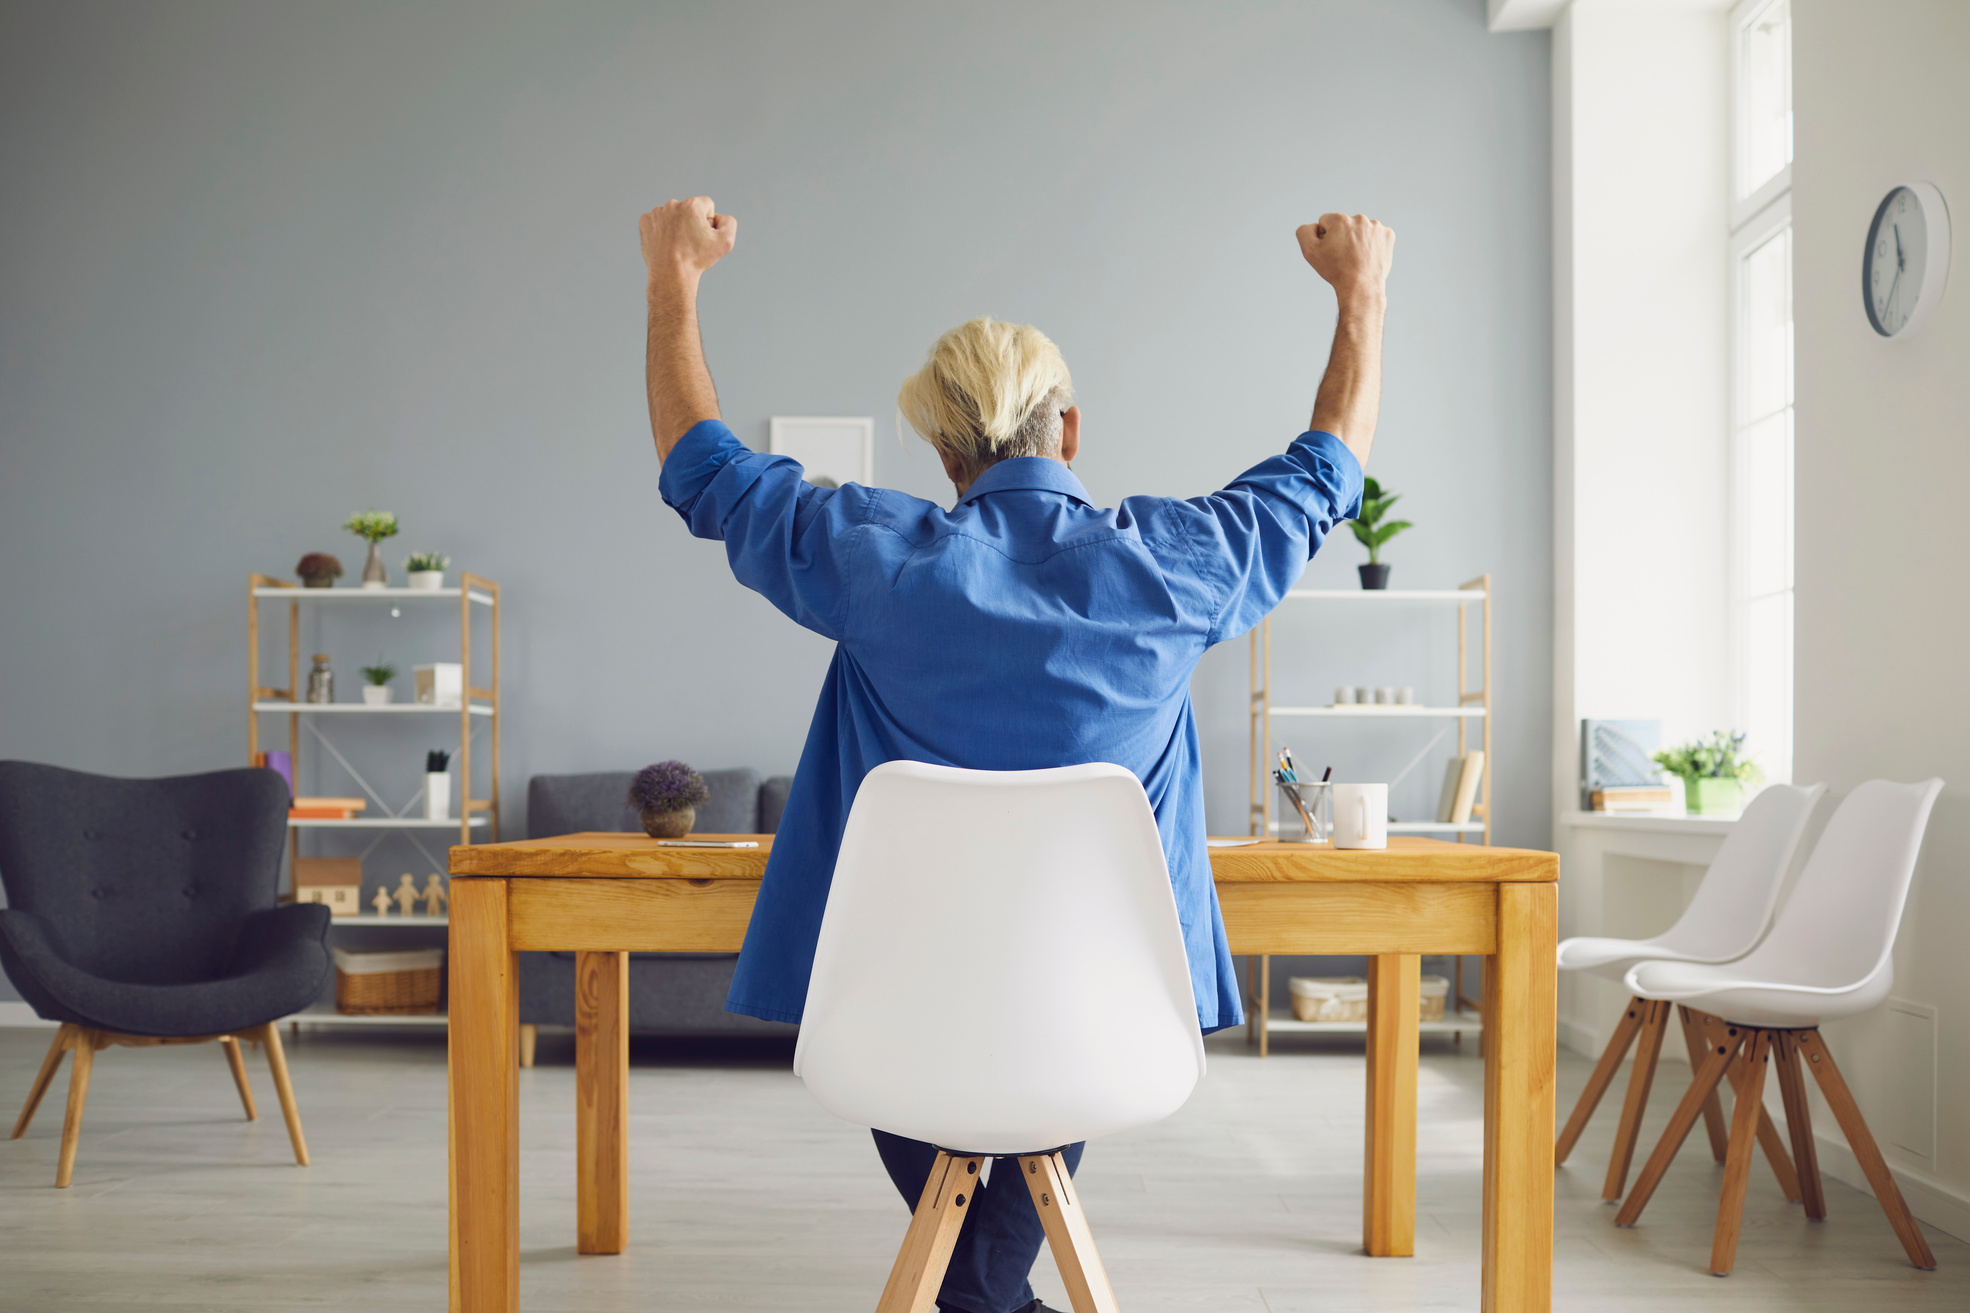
column 1453, row 1024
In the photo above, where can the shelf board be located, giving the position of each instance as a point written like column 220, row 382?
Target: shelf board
column 1385, row 595
column 381, row 823
column 1284, row 1023
column 370, row 595
column 277, row 707
column 1379, row 709
column 326, row 1015
column 372, row 920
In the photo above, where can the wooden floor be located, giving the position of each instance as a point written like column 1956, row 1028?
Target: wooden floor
column 744, row 1195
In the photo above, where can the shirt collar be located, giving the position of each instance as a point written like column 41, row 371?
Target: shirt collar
column 1027, row 474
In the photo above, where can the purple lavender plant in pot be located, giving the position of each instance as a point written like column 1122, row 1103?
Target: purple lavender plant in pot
column 666, row 796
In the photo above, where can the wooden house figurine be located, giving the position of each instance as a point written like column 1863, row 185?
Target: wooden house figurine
column 334, row 881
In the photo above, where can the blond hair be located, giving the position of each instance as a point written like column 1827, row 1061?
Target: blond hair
column 990, row 391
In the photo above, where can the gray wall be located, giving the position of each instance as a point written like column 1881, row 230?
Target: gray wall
column 261, row 266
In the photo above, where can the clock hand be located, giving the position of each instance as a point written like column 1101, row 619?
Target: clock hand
column 1898, row 247
column 1892, row 289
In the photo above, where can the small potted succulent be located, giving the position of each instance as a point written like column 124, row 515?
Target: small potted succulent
column 318, row 570
column 427, row 569
column 373, row 527
column 1372, row 533
column 376, row 684
column 1714, row 772
column 666, row 797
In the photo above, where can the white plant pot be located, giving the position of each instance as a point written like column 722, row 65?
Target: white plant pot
column 429, row 580
column 376, row 695
column 437, row 796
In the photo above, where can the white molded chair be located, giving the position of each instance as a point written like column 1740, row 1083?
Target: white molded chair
column 1723, row 922
column 1829, row 955
column 1000, row 972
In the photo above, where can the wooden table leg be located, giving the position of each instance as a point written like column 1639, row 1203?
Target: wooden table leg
column 1388, row 1185
column 1521, row 1001
column 601, row 1102
column 485, row 1102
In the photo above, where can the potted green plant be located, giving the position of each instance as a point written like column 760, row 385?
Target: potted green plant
column 666, row 797
column 1372, row 533
column 318, row 570
column 426, row 569
column 373, row 527
column 1714, row 772
column 376, row 684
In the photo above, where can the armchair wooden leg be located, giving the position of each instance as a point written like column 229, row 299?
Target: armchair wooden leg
column 1059, row 1207
column 1590, row 1098
column 1654, row 1023
column 1799, row 1121
column 1705, row 1084
column 83, row 1043
column 43, row 1078
column 1819, row 1061
column 269, row 1035
column 237, row 1061
column 1754, row 1058
column 529, row 1034
column 933, row 1233
column 1713, row 1110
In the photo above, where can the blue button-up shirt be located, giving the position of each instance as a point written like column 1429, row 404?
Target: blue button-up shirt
column 1024, row 628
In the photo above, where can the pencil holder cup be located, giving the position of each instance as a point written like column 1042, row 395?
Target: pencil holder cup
column 1308, row 809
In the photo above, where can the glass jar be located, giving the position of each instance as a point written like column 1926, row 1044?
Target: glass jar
column 321, row 680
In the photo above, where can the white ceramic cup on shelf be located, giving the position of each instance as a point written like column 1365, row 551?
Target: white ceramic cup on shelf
column 437, row 795
column 1344, row 696
column 1361, row 815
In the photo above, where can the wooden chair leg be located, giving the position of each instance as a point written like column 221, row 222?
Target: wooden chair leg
column 1713, row 1110
column 1714, row 1066
column 1754, row 1057
column 1819, row 1061
column 933, row 1233
column 237, row 1061
column 1799, row 1121
column 269, row 1035
column 1059, row 1207
column 1648, row 1047
column 529, row 1033
column 1590, row 1098
column 43, row 1078
column 82, row 1042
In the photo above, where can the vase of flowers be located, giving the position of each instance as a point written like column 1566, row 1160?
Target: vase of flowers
column 318, row 570
column 373, row 527
column 426, row 570
column 376, row 684
column 1714, row 772
column 666, row 798
column 1371, row 533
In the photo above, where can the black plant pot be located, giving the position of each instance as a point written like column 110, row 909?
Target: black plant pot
column 1374, row 576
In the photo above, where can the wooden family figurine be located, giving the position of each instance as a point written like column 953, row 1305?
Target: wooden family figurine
column 381, row 902
column 435, row 897
column 406, row 894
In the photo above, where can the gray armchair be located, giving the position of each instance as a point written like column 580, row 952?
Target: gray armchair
column 669, row 993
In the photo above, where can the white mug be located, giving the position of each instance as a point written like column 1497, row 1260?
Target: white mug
column 1361, row 815
column 1344, row 696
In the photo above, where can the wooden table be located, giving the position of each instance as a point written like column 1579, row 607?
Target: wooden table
column 604, row 896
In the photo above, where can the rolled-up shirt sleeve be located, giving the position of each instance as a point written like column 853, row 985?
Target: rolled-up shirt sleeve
column 1255, row 537
column 787, row 540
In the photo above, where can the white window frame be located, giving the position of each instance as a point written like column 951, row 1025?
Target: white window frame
column 1745, row 207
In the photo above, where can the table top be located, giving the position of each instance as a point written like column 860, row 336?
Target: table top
column 1407, row 860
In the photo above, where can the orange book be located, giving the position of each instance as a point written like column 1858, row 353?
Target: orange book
column 321, row 814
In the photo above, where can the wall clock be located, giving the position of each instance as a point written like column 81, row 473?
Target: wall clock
column 1906, row 261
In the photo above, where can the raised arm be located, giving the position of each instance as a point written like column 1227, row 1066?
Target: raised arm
column 681, row 239
column 1353, row 253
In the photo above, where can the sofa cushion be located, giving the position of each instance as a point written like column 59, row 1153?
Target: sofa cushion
column 574, row 804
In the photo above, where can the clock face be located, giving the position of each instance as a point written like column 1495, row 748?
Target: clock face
column 1897, row 261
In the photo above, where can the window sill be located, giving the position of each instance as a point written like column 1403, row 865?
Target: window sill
column 1650, row 823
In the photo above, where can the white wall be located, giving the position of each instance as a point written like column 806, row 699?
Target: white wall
column 1881, row 97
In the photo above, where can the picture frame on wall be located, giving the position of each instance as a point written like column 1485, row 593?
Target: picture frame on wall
column 832, row 450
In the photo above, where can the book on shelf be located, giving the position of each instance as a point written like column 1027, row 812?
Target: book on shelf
column 326, row 809
column 1632, row 798
column 1461, row 777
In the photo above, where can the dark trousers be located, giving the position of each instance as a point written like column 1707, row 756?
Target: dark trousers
column 1001, row 1235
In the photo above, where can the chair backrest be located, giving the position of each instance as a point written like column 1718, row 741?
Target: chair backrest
column 142, row 881
column 1837, row 928
column 1733, row 905
column 1000, row 967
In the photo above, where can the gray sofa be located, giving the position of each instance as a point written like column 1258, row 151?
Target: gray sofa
column 669, row 993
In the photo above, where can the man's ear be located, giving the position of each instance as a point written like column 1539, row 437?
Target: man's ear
column 1070, row 433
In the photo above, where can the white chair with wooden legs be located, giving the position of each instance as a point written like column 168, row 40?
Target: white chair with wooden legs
column 1024, row 990
column 1723, row 922
column 1829, row 955
column 85, row 1043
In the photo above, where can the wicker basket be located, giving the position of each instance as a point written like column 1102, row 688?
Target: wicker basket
column 404, row 983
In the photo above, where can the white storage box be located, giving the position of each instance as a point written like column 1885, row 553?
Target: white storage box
column 1329, row 998
column 440, row 684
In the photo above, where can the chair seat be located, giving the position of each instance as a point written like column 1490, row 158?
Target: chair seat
column 1737, row 994
column 1613, row 958
column 279, row 971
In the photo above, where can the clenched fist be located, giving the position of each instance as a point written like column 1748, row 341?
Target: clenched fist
column 1353, row 252
column 686, row 238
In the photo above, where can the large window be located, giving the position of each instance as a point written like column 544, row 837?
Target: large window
column 1761, row 381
